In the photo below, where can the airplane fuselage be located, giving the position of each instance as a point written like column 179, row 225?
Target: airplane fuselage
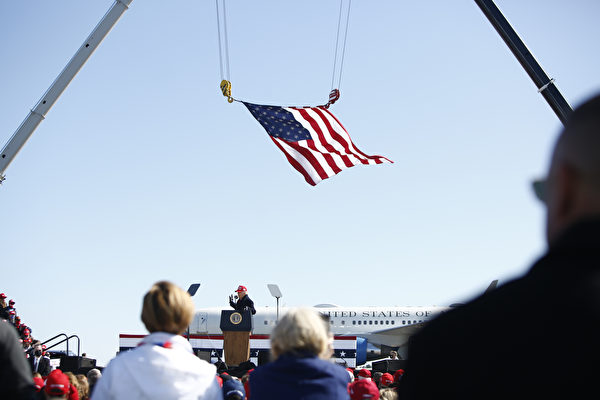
column 387, row 326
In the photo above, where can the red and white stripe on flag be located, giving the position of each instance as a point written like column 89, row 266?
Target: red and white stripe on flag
column 328, row 152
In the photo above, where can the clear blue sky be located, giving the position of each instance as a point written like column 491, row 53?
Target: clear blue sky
column 142, row 171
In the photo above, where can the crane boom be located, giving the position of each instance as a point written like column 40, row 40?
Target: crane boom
column 37, row 114
column 545, row 85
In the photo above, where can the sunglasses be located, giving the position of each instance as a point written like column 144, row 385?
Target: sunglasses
column 540, row 189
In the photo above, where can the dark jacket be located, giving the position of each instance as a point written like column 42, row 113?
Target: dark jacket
column 535, row 337
column 242, row 304
column 299, row 378
column 15, row 377
column 44, row 367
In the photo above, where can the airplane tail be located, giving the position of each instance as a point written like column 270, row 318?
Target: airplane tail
column 492, row 286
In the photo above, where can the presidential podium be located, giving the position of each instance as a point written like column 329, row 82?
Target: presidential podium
column 236, row 327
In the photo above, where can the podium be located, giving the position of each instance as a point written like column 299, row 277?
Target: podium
column 390, row 366
column 236, row 327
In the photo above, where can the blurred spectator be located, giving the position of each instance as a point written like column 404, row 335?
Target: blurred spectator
column 246, row 381
column 83, row 387
column 27, row 345
column 93, row 376
column 38, row 382
column 23, row 329
column 301, row 346
column 163, row 366
column 233, row 389
column 3, row 305
column 386, row 380
column 364, row 374
column 57, row 385
column 388, row 394
column 73, row 386
column 363, row 389
column 350, row 374
column 393, row 355
column 12, row 311
column 398, row 375
column 15, row 376
column 39, row 363
column 506, row 343
column 376, row 376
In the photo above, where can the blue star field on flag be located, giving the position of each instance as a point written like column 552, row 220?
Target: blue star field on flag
column 312, row 139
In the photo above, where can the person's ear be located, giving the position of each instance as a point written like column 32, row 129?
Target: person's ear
column 566, row 191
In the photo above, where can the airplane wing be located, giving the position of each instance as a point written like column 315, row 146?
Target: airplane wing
column 401, row 330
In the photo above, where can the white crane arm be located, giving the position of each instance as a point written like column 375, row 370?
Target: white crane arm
column 37, row 114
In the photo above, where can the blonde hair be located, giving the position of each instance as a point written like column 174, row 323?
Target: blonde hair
column 301, row 331
column 167, row 308
column 73, row 380
column 84, row 386
column 388, row 394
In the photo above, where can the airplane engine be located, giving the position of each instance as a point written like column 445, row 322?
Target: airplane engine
column 366, row 351
column 361, row 350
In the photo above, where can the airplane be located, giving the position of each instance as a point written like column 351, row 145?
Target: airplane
column 378, row 329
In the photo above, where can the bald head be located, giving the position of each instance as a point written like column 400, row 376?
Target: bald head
column 574, row 177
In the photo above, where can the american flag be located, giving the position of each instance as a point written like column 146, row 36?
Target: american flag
column 312, row 139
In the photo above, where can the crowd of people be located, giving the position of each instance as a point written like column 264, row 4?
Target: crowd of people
column 32, row 374
column 8, row 313
column 500, row 345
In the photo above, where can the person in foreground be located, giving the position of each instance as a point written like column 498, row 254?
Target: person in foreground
column 163, row 365
column 301, row 346
column 536, row 336
column 15, row 376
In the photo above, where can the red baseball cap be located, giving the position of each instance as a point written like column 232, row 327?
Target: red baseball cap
column 364, row 373
column 38, row 383
column 241, row 289
column 386, row 379
column 57, row 383
column 363, row 389
column 398, row 374
column 2, row 296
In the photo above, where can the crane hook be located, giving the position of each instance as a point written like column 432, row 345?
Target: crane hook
column 333, row 97
column 226, row 89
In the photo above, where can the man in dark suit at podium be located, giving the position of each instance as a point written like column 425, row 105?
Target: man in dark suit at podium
column 244, row 302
